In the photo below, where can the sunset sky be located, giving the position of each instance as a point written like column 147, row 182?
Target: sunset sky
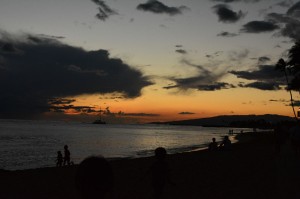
column 144, row 60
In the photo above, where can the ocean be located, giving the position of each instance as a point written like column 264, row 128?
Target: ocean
column 27, row 144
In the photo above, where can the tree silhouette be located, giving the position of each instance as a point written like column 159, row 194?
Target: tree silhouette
column 291, row 68
column 294, row 66
column 282, row 66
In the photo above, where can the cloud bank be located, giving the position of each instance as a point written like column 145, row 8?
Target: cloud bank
column 289, row 21
column 226, row 34
column 264, row 78
column 104, row 10
column 259, row 27
column 159, row 8
column 231, row 1
column 206, row 80
column 35, row 69
column 227, row 15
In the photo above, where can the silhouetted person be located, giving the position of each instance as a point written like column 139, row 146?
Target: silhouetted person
column 59, row 159
column 160, row 172
column 94, row 178
column 280, row 136
column 67, row 156
column 213, row 146
column 295, row 137
column 225, row 144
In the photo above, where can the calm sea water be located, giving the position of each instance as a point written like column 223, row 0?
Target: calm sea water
column 33, row 144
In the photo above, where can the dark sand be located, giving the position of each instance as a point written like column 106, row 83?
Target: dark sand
column 248, row 171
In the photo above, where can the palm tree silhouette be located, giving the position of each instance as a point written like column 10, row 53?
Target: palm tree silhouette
column 283, row 66
column 292, row 68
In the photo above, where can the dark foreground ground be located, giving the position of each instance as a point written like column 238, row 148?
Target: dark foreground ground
column 251, row 170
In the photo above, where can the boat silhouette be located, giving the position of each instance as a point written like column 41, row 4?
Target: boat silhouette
column 99, row 121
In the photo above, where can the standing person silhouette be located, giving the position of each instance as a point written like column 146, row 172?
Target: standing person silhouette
column 67, row 156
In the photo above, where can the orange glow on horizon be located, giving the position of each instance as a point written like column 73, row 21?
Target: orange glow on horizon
column 163, row 105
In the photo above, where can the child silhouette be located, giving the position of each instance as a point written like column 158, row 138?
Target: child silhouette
column 59, row 159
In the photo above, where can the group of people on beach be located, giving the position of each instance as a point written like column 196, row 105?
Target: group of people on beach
column 63, row 160
column 225, row 145
column 95, row 178
column 95, row 175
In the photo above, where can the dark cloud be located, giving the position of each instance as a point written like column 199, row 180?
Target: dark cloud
column 178, row 46
column 227, row 34
column 294, row 11
column 214, row 55
column 160, row 8
column 206, row 80
column 262, row 85
column 73, row 109
column 259, row 27
column 138, row 114
column 181, row 51
column 186, row 113
column 278, row 100
column 226, row 1
column 8, row 48
column 265, row 78
column 231, row 1
column 290, row 21
column 215, row 86
column 170, row 87
column 238, row 55
column 291, row 26
column 285, row 4
column 263, row 73
column 263, row 60
column 277, row 46
column 42, row 69
column 279, row 18
column 51, row 36
column 292, row 30
column 64, row 105
column 104, row 10
column 113, row 97
column 60, row 101
column 226, row 15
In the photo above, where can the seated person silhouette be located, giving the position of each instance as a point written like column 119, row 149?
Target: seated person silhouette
column 94, row 178
column 160, row 172
column 225, row 144
column 213, row 146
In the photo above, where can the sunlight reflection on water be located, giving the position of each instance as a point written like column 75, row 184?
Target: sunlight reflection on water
column 32, row 144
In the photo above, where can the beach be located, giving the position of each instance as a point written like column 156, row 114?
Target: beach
column 249, row 170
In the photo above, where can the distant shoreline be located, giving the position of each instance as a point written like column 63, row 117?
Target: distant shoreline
column 266, row 121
